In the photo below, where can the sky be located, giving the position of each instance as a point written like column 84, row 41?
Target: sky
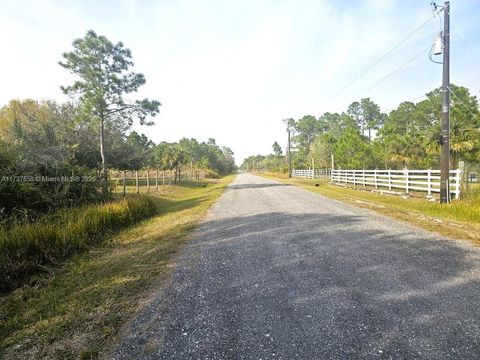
column 232, row 70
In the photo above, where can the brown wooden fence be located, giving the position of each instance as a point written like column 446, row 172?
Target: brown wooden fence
column 152, row 179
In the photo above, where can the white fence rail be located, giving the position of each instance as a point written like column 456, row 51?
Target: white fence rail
column 312, row 174
column 408, row 180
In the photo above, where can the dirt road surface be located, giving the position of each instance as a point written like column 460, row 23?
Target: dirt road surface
column 277, row 272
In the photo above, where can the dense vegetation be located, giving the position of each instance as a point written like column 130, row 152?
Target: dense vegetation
column 27, row 248
column 364, row 137
column 78, row 309
column 55, row 155
column 54, row 160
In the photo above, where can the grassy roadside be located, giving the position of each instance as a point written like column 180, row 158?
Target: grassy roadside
column 76, row 311
column 459, row 219
column 27, row 249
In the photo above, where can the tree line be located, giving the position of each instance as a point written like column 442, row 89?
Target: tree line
column 52, row 140
column 77, row 141
column 363, row 137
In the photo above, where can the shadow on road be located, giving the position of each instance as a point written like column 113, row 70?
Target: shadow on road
column 320, row 286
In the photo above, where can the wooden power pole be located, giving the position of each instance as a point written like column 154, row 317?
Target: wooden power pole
column 289, row 150
column 445, row 136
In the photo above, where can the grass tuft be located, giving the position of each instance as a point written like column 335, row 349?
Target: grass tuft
column 26, row 249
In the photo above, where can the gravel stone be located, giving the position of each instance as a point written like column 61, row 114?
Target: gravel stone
column 277, row 272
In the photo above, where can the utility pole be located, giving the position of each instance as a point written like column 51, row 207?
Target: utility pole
column 289, row 153
column 445, row 135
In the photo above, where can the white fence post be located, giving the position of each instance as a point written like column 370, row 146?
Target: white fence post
column 429, row 182
column 405, row 173
column 389, row 179
column 458, row 177
column 375, row 177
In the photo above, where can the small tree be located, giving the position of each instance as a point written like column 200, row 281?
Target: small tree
column 277, row 149
column 103, row 69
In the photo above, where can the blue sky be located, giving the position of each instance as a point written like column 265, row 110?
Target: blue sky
column 233, row 70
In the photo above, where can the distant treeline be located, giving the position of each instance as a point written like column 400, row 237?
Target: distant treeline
column 365, row 138
column 42, row 141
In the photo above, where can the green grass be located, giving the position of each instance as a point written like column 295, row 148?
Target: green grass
column 459, row 219
column 26, row 248
column 77, row 309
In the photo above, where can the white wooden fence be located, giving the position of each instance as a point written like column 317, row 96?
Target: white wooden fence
column 312, row 174
column 409, row 180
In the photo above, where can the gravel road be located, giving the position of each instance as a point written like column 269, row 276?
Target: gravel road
column 277, row 272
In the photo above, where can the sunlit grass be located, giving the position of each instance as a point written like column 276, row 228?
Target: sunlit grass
column 27, row 248
column 77, row 310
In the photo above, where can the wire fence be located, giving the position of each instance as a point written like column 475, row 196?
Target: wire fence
column 471, row 175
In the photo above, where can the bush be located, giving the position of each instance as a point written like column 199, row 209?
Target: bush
column 27, row 248
column 35, row 198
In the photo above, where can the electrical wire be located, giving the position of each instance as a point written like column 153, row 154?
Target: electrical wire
column 397, row 69
column 380, row 59
column 417, row 98
column 436, row 11
column 459, row 32
column 410, row 100
column 461, row 102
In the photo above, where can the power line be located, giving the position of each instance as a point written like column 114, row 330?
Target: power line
column 436, row 10
column 381, row 58
column 397, row 69
column 410, row 100
column 417, row 98
column 459, row 32
column 461, row 102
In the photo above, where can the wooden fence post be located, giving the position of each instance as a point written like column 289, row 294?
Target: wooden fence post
column 156, row 180
column 389, row 179
column 148, row 181
column 136, row 181
column 124, row 183
column 375, row 176
column 363, row 177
